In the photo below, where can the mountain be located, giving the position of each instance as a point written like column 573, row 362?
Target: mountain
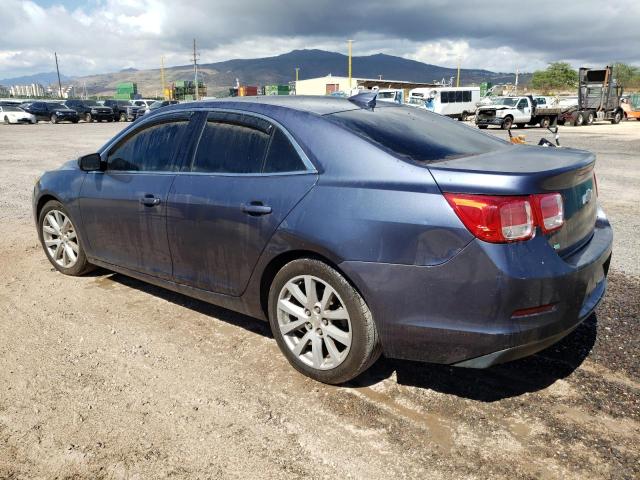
column 45, row 78
column 281, row 69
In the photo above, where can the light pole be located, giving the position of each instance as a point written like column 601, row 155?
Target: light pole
column 350, row 42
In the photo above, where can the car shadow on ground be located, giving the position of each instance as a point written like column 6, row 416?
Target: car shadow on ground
column 487, row 385
column 507, row 380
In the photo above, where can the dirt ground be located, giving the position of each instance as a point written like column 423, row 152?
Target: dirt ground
column 107, row 377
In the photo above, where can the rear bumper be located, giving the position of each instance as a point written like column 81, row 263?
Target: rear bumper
column 461, row 312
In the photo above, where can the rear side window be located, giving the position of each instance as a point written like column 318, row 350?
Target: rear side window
column 416, row 135
column 282, row 156
column 232, row 144
column 152, row 149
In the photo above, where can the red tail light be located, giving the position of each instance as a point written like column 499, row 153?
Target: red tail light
column 501, row 219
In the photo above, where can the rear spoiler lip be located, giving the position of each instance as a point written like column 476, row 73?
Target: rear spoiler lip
column 573, row 167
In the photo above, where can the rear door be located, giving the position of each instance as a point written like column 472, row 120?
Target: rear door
column 124, row 208
column 245, row 177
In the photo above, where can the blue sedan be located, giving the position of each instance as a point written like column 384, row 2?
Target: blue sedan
column 355, row 229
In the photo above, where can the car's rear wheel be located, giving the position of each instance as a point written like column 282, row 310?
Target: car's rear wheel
column 579, row 120
column 545, row 122
column 6, row 120
column 321, row 323
column 589, row 119
column 616, row 118
column 54, row 118
column 123, row 117
column 60, row 241
column 88, row 118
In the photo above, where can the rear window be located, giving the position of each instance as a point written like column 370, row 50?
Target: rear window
column 415, row 134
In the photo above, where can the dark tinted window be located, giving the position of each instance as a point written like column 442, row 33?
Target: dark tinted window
column 459, row 96
column 232, row 143
column 466, row 96
column 444, row 97
column 151, row 149
column 415, row 134
column 282, row 156
column 522, row 104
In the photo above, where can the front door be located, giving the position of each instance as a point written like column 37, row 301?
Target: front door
column 245, row 178
column 124, row 208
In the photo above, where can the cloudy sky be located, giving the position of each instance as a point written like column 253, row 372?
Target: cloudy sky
column 97, row 36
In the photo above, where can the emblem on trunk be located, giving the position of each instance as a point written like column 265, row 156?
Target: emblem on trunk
column 586, row 198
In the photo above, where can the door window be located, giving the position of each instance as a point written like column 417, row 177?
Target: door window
column 522, row 104
column 151, row 149
column 232, row 143
column 282, row 156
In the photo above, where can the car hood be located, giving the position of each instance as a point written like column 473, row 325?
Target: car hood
column 495, row 107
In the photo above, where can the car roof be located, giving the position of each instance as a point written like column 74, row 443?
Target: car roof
column 319, row 105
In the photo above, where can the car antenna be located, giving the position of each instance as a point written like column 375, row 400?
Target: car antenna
column 366, row 100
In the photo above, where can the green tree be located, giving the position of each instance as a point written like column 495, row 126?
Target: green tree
column 626, row 75
column 557, row 76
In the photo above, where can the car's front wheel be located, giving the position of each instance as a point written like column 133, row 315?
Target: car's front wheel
column 59, row 238
column 321, row 323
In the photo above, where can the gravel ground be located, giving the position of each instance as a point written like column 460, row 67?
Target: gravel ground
column 107, row 377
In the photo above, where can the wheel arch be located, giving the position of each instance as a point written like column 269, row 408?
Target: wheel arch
column 47, row 197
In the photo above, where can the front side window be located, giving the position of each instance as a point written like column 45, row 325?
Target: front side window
column 466, row 96
column 151, row 149
column 522, row 104
column 232, row 143
column 444, row 97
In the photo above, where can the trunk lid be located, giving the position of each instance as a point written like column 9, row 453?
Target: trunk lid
column 525, row 170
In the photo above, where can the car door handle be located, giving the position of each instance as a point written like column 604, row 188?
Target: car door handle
column 256, row 208
column 150, row 200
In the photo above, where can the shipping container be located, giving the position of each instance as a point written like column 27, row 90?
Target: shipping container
column 276, row 90
column 248, row 91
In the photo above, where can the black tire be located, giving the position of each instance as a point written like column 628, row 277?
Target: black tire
column 82, row 265
column 578, row 120
column 507, row 123
column 54, row 118
column 6, row 120
column 365, row 344
column 75, row 121
column 616, row 118
column 589, row 118
column 545, row 122
column 482, row 127
column 123, row 117
column 88, row 118
column 464, row 116
column 560, row 122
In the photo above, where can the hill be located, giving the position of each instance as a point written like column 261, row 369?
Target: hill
column 281, row 69
column 44, row 78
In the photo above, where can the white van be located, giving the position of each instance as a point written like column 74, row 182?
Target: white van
column 454, row 102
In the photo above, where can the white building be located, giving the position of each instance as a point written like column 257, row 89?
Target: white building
column 32, row 90
column 330, row 84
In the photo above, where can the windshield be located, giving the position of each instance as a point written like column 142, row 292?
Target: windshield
column 509, row 101
column 416, row 134
column 56, row 105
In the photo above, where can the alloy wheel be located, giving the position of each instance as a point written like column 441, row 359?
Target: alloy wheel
column 60, row 238
column 314, row 322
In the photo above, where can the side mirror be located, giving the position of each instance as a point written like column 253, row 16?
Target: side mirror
column 91, row 162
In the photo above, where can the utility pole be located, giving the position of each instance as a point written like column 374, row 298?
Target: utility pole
column 517, row 80
column 458, row 79
column 195, row 67
column 162, row 81
column 55, row 54
column 350, row 43
column 297, row 71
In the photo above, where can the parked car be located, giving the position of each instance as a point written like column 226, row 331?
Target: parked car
column 53, row 112
column 154, row 106
column 123, row 110
column 90, row 110
column 504, row 112
column 354, row 228
column 14, row 114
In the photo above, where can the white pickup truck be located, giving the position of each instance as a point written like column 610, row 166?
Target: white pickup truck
column 504, row 112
